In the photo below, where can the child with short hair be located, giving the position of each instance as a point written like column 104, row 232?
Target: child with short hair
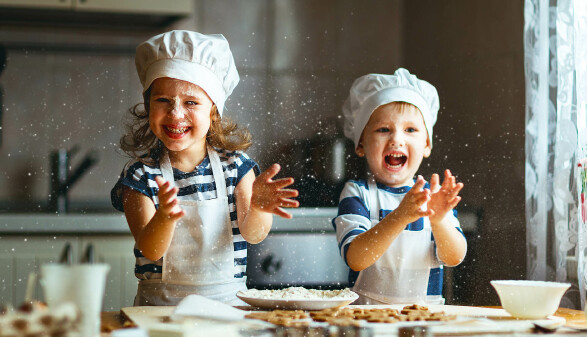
column 395, row 230
column 189, row 194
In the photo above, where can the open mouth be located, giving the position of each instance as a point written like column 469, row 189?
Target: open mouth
column 395, row 160
column 176, row 131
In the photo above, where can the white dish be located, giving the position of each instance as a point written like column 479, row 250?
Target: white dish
column 297, row 304
column 530, row 299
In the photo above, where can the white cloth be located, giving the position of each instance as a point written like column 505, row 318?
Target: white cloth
column 401, row 274
column 556, row 141
column 204, row 60
column 371, row 91
column 200, row 258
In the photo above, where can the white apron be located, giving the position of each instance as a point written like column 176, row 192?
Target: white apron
column 401, row 274
column 200, row 258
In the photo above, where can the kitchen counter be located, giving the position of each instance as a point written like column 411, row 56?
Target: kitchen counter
column 42, row 224
column 115, row 320
column 304, row 220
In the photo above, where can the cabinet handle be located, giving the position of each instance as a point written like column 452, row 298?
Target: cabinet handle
column 270, row 266
column 67, row 254
column 89, row 256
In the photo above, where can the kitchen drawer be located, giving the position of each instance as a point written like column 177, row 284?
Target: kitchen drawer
column 296, row 259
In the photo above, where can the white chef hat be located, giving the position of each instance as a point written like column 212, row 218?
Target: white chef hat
column 371, row 91
column 204, row 60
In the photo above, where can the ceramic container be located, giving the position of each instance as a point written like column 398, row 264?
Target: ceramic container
column 530, row 299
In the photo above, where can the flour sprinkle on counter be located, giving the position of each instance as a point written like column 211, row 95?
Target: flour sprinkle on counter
column 298, row 293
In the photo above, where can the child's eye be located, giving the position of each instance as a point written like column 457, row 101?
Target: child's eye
column 192, row 103
column 162, row 99
column 382, row 130
column 411, row 130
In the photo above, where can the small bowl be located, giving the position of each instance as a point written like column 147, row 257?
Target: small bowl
column 530, row 299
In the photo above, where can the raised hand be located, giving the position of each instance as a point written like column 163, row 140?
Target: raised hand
column 444, row 197
column 270, row 195
column 168, row 202
column 410, row 209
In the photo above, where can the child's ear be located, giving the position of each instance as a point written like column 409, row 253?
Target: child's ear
column 427, row 149
column 359, row 150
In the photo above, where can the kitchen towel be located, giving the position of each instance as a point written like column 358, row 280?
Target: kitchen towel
column 202, row 307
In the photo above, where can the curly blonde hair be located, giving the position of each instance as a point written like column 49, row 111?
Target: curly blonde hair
column 140, row 142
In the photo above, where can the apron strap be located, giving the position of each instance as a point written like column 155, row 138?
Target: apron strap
column 217, row 172
column 167, row 171
column 373, row 199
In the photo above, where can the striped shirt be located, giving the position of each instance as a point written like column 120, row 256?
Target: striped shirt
column 353, row 219
column 196, row 185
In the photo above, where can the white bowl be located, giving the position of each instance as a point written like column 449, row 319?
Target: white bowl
column 530, row 299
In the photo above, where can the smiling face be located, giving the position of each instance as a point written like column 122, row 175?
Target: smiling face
column 179, row 114
column 394, row 142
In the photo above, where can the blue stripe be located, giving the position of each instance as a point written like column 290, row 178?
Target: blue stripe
column 417, row 225
column 435, row 281
column 362, row 183
column 240, row 275
column 345, row 250
column 393, row 190
column 138, row 253
column 353, row 205
column 354, row 232
column 197, row 188
column 148, row 268
column 240, row 261
column 245, row 168
column 353, row 276
column 236, row 231
column 461, row 230
column 240, row 245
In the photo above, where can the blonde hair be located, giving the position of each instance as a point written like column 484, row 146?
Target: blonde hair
column 404, row 106
column 140, row 142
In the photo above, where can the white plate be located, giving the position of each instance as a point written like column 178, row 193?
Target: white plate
column 297, row 304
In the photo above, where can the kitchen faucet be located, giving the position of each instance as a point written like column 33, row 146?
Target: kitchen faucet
column 63, row 178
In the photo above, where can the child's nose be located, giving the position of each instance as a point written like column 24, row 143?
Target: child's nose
column 396, row 138
column 176, row 110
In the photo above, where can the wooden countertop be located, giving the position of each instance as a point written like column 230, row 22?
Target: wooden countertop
column 114, row 320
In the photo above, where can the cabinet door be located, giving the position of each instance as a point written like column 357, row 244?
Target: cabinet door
column 117, row 251
column 21, row 255
column 47, row 4
column 179, row 7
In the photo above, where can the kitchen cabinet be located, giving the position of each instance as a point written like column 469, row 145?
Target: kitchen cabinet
column 22, row 254
column 109, row 14
column 180, row 7
column 117, row 251
column 41, row 4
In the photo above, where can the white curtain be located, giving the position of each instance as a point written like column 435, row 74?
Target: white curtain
column 555, row 44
